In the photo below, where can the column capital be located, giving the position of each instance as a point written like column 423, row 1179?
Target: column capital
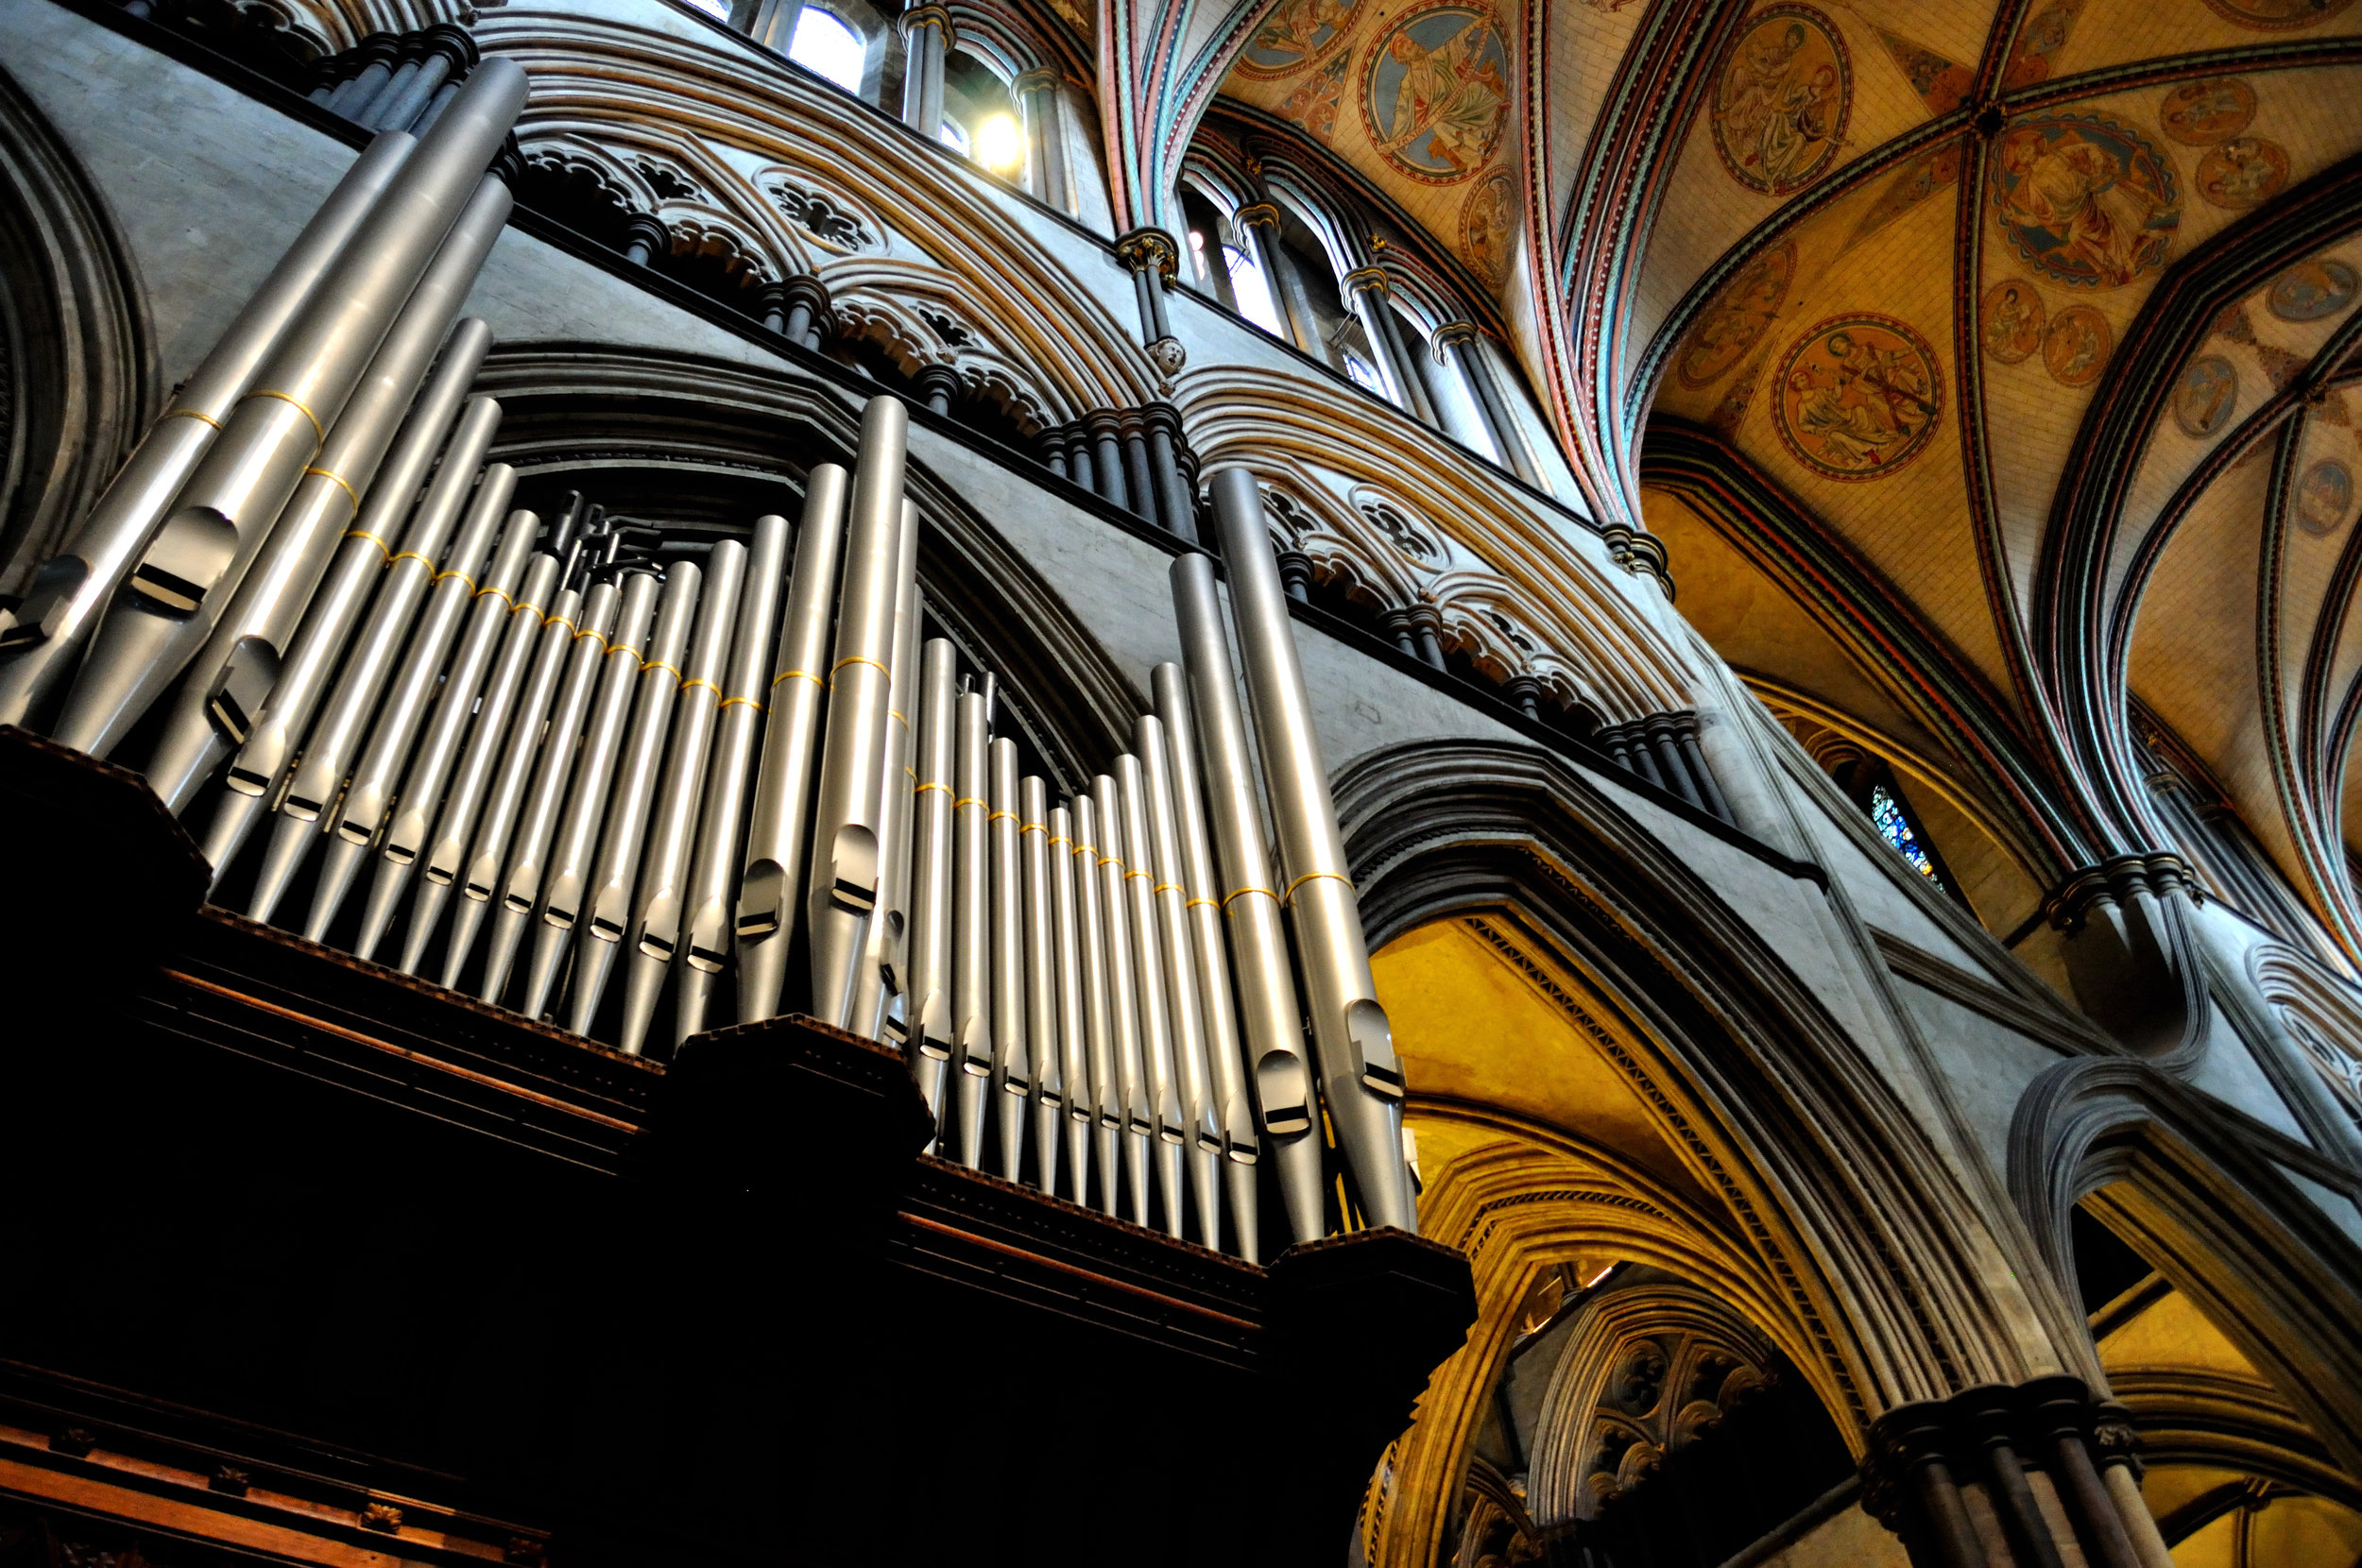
column 2118, row 880
column 454, row 44
column 376, row 49
column 646, row 228
column 1041, row 78
column 805, row 289
column 1145, row 247
column 1452, row 333
column 1364, row 278
column 1260, row 215
column 928, row 15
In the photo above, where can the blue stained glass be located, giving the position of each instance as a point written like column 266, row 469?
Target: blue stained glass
column 1888, row 813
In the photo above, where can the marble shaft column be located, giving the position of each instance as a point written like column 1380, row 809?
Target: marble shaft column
column 1366, row 288
column 1138, row 481
column 1106, row 437
column 1259, row 223
column 1176, row 495
column 926, row 40
column 1040, row 94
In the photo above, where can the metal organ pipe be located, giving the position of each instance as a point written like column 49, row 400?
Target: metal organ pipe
column 189, row 569
column 1183, row 978
column 1098, row 1025
column 769, row 889
column 422, row 784
column 40, row 639
column 1124, row 997
column 266, row 749
column 655, row 902
column 435, row 850
column 1156, row 1006
column 929, row 996
column 882, row 980
column 1231, row 1110
column 607, row 901
column 1360, row 1076
column 1270, row 1017
column 1041, row 983
column 971, row 926
column 1066, row 926
column 505, row 876
column 1012, row 1058
column 564, row 881
column 842, row 886
column 722, row 816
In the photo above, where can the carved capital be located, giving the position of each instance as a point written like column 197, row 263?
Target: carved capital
column 456, row 45
column 1260, row 214
column 1041, row 79
column 1452, row 333
column 1371, row 278
column 930, row 15
column 1145, row 247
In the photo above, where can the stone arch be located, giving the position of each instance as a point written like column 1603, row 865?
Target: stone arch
column 569, row 410
column 76, row 363
column 2229, row 1215
column 1881, row 1262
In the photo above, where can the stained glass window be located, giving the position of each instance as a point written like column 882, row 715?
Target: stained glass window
column 1887, row 813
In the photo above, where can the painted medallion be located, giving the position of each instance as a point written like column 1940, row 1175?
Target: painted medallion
column 2087, row 202
column 2010, row 319
column 1731, row 324
column 1780, row 107
column 2323, row 496
column 2313, row 289
column 1296, row 34
column 2076, row 348
column 1437, row 93
column 1858, row 397
column 2200, row 113
column 1314, row 104
column 2244, row 172
column 2206, row 396
column 2276, row 15
column 1488, row 227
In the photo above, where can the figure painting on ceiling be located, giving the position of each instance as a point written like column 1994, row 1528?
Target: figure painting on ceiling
column 2206, row 396
column 2076, row 348
column 1780, row 107
column 2042, row 37
column 2277, row 15
column 1293, row 36
column 1858, row 397
column 2312, row 289
column 2200, row 113
column 2323, row 496
column 1488, row 223
column 1314, row 104
column 1729, row 326
column 2085, row 200
column 2011, row 315
column 1437, row 93
column 2243, row 172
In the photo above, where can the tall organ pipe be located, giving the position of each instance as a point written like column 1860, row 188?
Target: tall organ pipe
column 882, row 978
column 1099, row 1026
column 1185, row 998
column 1360, row 1077
column 607, row 903
column 476, row 865
column 841, row 889
column 440, row 851
column 267, row 750
column 1233, row 1110
column 1012, row 1053
column 188, row 570
column 39, row 641
column 422, row 782
column 1124, row 997
column 722, row 815
column 565, row 876
column 1269, row 1013
column 928, row 997
column 1041, row 982
column 1066, row 924
column 769, row 888
column 654, row 902
column 232, row 662
column 328, row 751
column 1158, row 1044
column 971, row 926
column 505, row 872
column 411, row 687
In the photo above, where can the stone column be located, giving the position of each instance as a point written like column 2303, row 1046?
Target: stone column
column 446, row 52
column 1138, row 481
column 1460, row 340
column 1106, row 432
column 1685, row 731
column 1259, row 223
column 1670, row 764
column 1295, row 574
column 373, row 62
column 1526, row 693
column 1366, row 288
column 366, row 112
column 645, row 239
column 1079, row 465
column 771, row 306
column 1155, row 261
column 938, row 385
column 926, row 40
column 769, row 23
column 1176, row 495
column 1053, row 444
column 1040, row 94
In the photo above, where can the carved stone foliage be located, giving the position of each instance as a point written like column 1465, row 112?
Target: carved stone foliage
column 829, row 221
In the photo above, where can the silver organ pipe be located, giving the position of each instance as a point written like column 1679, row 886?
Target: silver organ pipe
column 722, row 816
column 1099, row 1026
column 565, row 877
column 607, row 897
column 1152, row 999
column 1185, row 998
column 971, row 926
column 930, row 989
column 770, row 887
column 878, row 1010
column 1124, row 998
column 1012, row 1055
column 1041, row 979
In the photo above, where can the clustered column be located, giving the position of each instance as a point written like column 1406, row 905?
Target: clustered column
column 1045, row 137
column 1924, row 1457
column 1135, row 458
column 1662, row 748
column 1367, row 288
column 769, row 23
column 1461, row 341
column 1155, row 260
column 927, row 41
column 398, row 83
column 1259, row 223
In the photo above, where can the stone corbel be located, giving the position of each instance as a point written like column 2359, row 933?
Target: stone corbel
column 2129, row 952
